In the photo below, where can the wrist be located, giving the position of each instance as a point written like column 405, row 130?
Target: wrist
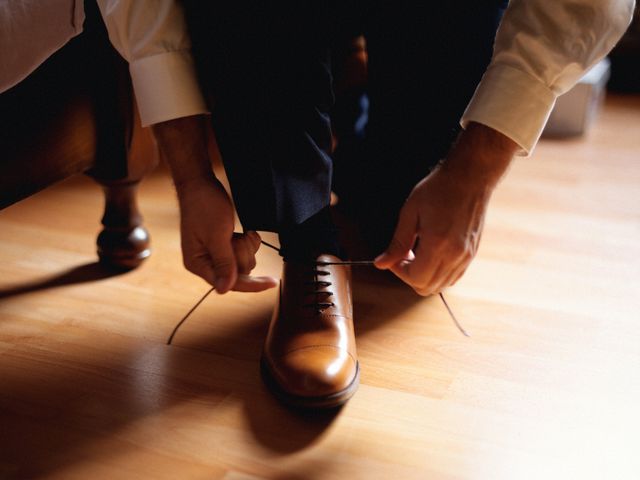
column 198, row 192
column 190, row 184
column 481, row 155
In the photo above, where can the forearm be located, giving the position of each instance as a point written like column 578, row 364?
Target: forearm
column 183, row 144
column 541, row 50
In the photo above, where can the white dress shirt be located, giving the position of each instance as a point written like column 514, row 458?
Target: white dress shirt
column 30, row 31
column 542, row 48
column 152, row 36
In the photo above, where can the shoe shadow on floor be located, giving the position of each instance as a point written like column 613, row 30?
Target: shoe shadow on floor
column 89, row 272
column 64, row 399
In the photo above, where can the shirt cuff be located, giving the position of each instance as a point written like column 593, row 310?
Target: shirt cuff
column 512, row 102
column 166, row 87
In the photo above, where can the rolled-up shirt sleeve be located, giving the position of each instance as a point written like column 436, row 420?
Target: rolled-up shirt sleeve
column 542, row 49
column 152, row 36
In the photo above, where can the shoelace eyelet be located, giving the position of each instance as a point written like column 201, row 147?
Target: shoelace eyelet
column 318, row 305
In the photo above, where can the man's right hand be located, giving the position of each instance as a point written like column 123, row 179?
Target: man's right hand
column 210, row 249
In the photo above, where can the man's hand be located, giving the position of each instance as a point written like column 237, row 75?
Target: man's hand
column 440, row 225
column 210, row 249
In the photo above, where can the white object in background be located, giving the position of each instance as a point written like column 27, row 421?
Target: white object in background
column 575, row 110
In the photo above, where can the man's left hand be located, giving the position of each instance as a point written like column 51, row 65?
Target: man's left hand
column 440, row 224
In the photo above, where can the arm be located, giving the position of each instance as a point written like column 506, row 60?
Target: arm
column 210, row 249
column 151, row 35
column 542, row 49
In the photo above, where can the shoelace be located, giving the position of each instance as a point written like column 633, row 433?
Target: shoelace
column 317, row 304
column 367, row 263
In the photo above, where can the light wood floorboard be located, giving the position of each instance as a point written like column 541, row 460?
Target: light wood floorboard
column 548, row 385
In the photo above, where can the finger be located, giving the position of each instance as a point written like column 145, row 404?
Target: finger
column 457, row 271
column 247, row 283
column 422, row 285
column 402, row 241
column 250, row 252
column 255, row 239
column 438, row 281
column 245, row 254
column 463, row 263
column 409, row 257
column 446, row 280
column 224, row 265
column 250, row 236
column 457, row 274
column 201, row 266
column 419, row 272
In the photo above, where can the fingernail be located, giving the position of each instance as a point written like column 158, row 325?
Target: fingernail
column 380, row 257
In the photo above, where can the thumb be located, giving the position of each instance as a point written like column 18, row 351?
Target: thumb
column 224, row 266
column 402, row 241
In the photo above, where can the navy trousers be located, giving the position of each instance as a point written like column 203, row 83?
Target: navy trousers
column 266, row 70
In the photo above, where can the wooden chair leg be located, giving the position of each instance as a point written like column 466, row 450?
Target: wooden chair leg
column 125, row 153
column 124, row 241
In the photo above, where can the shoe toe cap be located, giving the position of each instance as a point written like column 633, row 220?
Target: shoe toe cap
column 316, row 371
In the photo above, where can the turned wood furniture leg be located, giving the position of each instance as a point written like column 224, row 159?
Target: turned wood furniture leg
column 125, row 152
column 124, row 241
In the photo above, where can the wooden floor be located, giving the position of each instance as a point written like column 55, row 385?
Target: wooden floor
column 548, row 385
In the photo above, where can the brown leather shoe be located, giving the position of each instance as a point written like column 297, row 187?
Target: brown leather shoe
column 309, row 357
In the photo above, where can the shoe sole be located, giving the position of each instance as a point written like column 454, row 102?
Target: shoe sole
column 334, row 400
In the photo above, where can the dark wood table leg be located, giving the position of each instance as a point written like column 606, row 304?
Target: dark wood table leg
column 124, row 241
column 125, row 152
